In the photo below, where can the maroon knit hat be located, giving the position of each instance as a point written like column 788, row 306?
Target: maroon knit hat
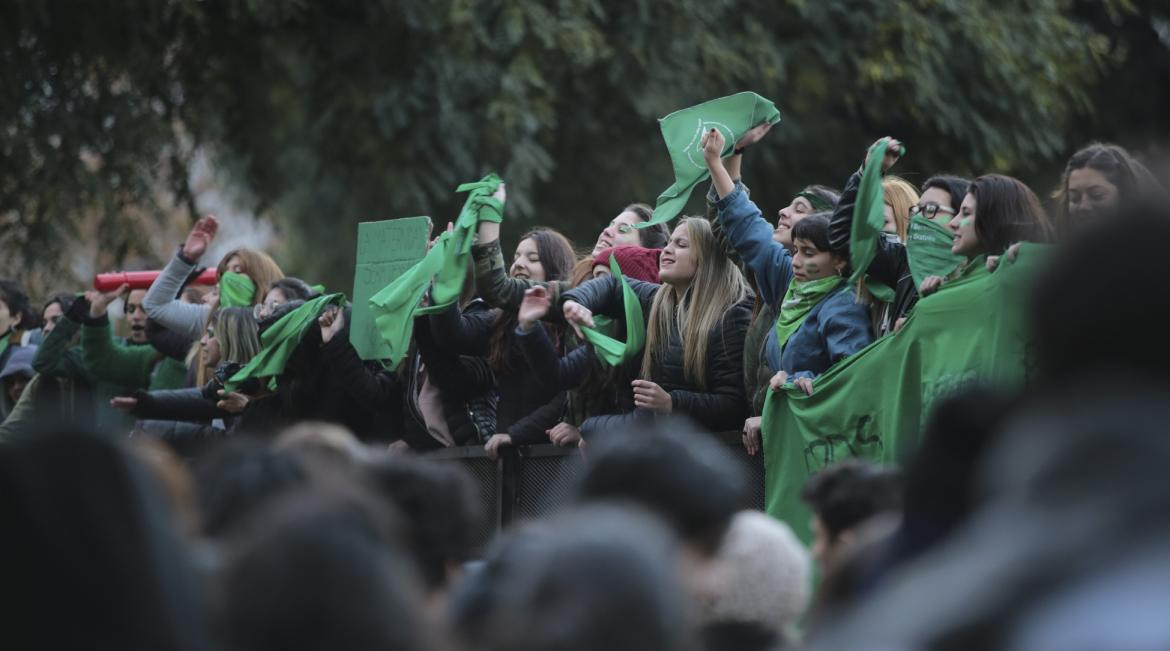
column 636, row 262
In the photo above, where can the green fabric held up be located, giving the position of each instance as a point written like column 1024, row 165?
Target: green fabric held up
column 873, row 404
column 444, row 266
column 281, row 339
column 799, row 300
column 610, row 350
column 868, row 213
column 236, row 290
column 928, row 249
column 682, row 130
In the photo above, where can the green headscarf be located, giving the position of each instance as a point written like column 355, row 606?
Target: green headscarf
column 818, row 203
column 799, row 300
column 236, row 290
column 612, row 351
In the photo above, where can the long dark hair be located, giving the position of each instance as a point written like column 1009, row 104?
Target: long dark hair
column 1006, row 212
column 556, row 256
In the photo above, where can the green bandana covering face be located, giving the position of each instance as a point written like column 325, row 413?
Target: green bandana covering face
column 818, row 204
column 610, row 350
column 236, row 290
column 683, row 130
column 928, row 250
column 799, row 300
column 445, row 266
column 280, row 340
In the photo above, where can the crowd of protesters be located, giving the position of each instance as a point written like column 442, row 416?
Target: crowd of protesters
column 289, row 515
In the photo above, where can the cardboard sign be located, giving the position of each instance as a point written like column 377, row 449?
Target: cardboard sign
column 385, row 250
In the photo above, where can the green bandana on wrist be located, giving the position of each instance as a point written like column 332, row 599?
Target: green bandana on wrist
column 799, row 300
column 818, row 203
column 236, row 290
column 609, row 350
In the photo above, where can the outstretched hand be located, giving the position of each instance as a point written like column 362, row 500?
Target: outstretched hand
column 200, row 237
column 712, row 145
column 577, row 315
column 533, row 308
column 99, row 303
column 331, row 321
column 753, row 135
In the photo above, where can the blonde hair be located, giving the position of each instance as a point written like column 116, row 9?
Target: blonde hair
column 718, row 285
column 258, row 266
column 901, row 197
column 237, row 333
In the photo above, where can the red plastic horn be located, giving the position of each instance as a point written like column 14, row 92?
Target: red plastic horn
column 143, row 279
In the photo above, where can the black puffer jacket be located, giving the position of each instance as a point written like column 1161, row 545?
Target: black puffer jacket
column 721, row 405
column 890, row 264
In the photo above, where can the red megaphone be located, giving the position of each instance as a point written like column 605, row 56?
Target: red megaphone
column 143, row 279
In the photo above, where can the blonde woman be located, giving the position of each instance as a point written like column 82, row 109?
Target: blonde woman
column 900, row 198
column 695, row 325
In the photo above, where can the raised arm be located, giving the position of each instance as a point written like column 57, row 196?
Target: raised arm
column 161, row 302
column 889, row 263
column 129, row 366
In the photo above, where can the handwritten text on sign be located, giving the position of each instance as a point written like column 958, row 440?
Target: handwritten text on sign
column 385, row 250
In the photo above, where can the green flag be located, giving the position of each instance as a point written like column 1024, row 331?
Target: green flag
column 610, row 350
column 445, row 265
column 682, row 130
column 868, row 213
column 928, row 249
column 873, row 404
column 280, row 340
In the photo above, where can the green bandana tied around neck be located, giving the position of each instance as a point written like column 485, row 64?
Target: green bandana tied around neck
column 683, row 130
column 609, row 350
column 928, row 250
column 280, row 340
column 818, row 203
column 799, row 300
column 236, row 290
column 445, row 265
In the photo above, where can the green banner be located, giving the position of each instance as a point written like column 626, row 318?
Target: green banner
column 683, row 130
column 385, row 251
column 873, row 404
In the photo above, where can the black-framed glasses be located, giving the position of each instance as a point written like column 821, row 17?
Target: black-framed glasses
column 930, row 210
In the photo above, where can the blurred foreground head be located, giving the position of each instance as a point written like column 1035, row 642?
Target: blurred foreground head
column 673, row 470
column 89, row 555
column 1100, row 303
column 598, row 578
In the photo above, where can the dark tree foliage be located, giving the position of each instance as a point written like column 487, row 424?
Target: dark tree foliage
column 330, row 113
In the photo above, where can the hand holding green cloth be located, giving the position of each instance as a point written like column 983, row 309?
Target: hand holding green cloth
column 682, row 130
column 280, row 340
column 868, row 213
column 928, row 249
column 799, row 300
column 236, row 290
column 873, row 404
column 610, row 350
column 444, row 266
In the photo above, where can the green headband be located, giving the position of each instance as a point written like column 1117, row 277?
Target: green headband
column 818, row 203
column 236, row 290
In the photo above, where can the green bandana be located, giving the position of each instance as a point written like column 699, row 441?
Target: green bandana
column 280, row 340
column 682, row 130
column 799, row 300
column 928, row 250
column 445, row 265
column 868, row 213
column 236, row 290
column 610, row 350
column 818, row 203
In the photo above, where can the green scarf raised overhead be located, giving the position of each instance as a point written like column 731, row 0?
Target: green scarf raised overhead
column 868, row 220
column 683, row 130
column 610, row 350
column 236, row 290
column 799, row 300
column 873, row 404
column 281, row 339
column 445, row 265
column 928, row 250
